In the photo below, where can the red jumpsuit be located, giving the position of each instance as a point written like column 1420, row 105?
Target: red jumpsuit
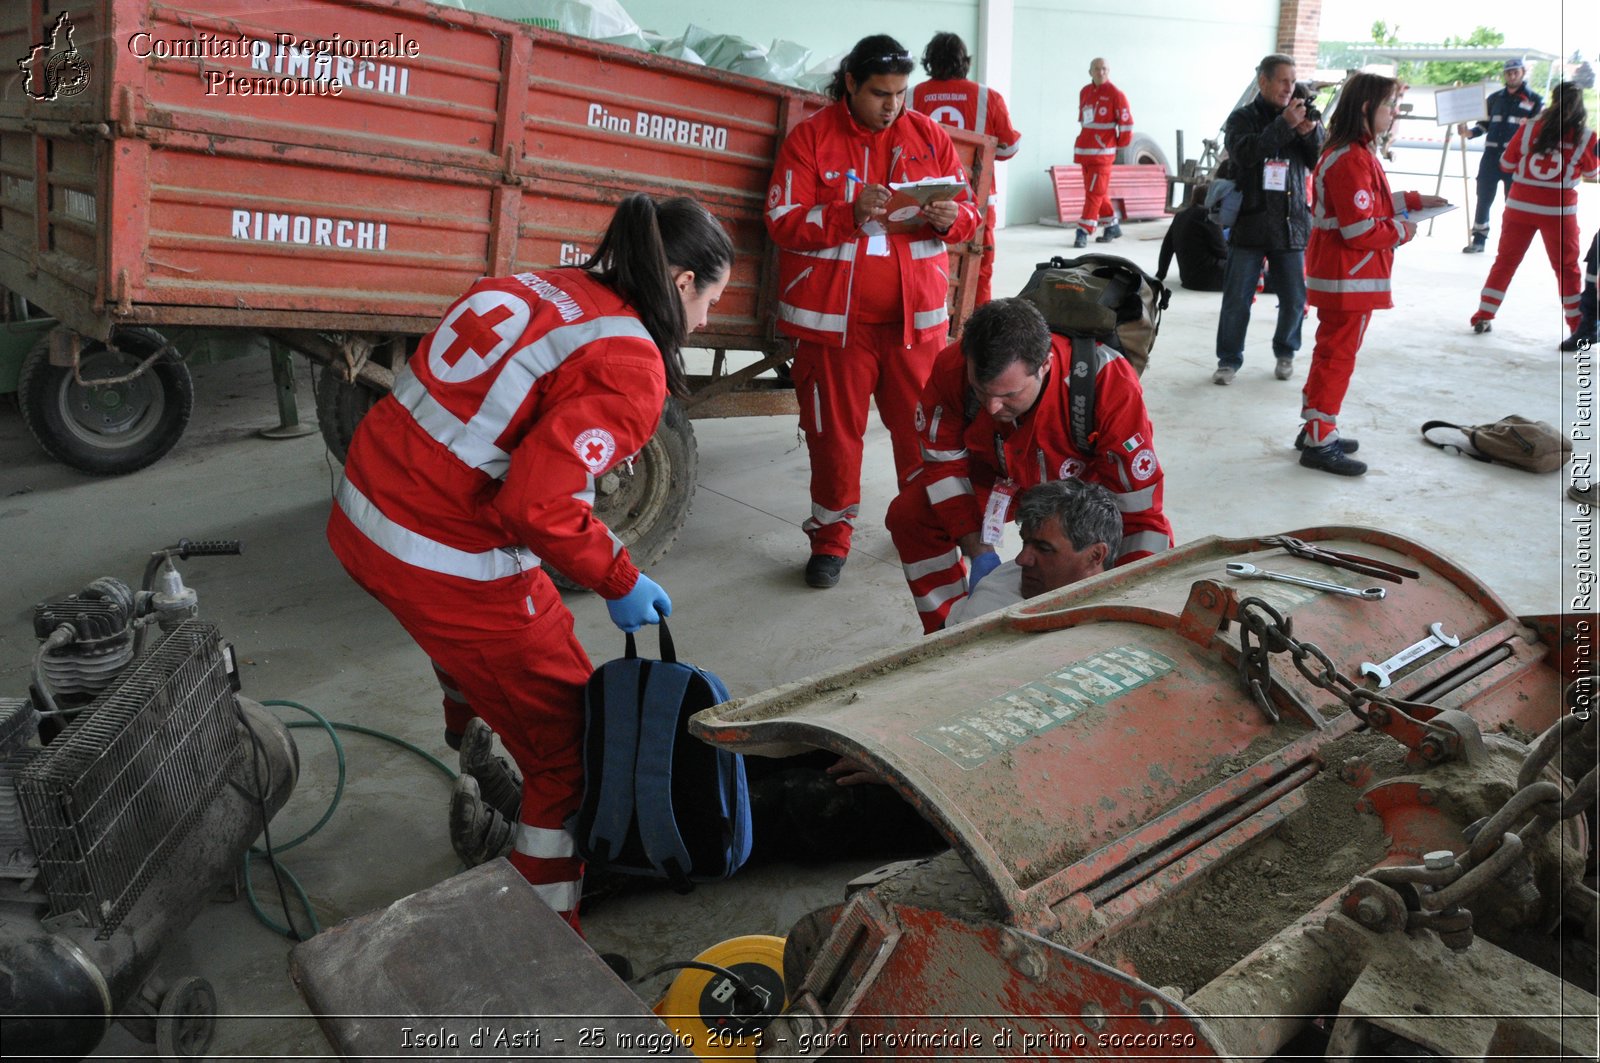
column 1543, row 200
column 963, row 459
column 1348, row 262
column 965, row 104
column 482, row 461
column 867, row 309
column 1107, row 126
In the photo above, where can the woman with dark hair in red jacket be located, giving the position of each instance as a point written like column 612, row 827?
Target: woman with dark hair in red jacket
column 1546, row 158
column 483, row 461
column 1354, row 232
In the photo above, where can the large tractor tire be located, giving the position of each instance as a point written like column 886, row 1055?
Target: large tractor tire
column 646, row 506
column 107, row 429
column 1144, row 151
column 340, row 407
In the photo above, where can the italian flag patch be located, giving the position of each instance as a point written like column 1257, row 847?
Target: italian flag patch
column 1133, row 443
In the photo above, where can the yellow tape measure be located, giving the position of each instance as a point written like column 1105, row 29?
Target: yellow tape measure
column 708, row 1009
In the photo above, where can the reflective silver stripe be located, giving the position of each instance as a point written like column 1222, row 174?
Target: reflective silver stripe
column 993, row 199
column 927, row 248
column 943, row 455
column 947, row 488
column 406, row 545
column 811, row 319
column 1324, row 223
column 446, row 429
column 1571, row 300
column 839, row 253
column 1353, row 270
column 1311, row 413
column 1497, row 293
column 1145, row 542
column 929, row 318
column 1559, row 182
column 816, row 408
column 1099, row 125
column 524, row 368
column 917, row 569
column 562, row 896
column 586, row 496
column 1539, row 208
column 783, row 208
column 1365, row 225
column 930, row 602
column 814, row 215
column 1094, row 151
column 1005, row 151
column 543, row 843
column 1376, row 284
column 1135, row 501
column 1488, row 306
column 821, row 515
column 981, row 126
column 933, row 423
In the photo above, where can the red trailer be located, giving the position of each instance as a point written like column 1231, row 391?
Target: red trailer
column 335, row 173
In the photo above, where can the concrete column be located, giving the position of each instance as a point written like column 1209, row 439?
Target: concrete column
column 1299, row 33
column 992, row 56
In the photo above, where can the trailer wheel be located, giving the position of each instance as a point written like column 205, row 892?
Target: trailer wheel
column 340, row 407
column 1143, row 151
column 187, row 1020
column 647, row 507
column 112, row 428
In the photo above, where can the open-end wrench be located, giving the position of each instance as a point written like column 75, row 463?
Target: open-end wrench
column 1436, row 640
column 1244, row 571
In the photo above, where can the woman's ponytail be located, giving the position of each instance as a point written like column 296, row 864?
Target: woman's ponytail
column 642, row 247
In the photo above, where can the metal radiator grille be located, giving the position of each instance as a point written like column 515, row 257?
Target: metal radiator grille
column 120, row 787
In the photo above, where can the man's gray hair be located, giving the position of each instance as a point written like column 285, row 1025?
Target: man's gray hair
column 1087, row 512
column 1269, row 66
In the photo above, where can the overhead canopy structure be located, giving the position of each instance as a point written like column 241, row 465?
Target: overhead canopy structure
column 1463, row 54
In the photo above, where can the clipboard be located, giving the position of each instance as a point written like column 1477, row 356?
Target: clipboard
column 903, row 212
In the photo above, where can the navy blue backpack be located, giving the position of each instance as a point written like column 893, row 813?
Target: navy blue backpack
column 656, row 801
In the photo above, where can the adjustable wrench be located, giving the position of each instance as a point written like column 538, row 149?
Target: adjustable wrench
column 1436, row 640
column 1244, row 571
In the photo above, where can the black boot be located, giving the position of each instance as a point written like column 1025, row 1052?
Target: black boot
column 477, row 832
column 1331, row 459
column 1344, row 443
column 1113, row 231
column 498, row 781
column 1081, row 239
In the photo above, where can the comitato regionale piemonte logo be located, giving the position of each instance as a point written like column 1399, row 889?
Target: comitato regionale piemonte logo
column 55, row 67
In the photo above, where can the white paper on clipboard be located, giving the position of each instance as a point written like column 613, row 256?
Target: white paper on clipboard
column 1427, row 213
column 1466, row 104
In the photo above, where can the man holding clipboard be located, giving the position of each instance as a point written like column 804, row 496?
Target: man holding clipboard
column 866, row 196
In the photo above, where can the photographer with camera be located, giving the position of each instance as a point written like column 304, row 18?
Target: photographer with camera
column 1273, row 141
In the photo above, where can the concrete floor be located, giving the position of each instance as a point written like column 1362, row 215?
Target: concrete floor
column 306, row 633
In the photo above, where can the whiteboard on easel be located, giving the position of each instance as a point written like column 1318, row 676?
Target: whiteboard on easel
column 1466, row 104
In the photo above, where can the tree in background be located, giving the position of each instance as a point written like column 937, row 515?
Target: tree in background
column 1441, row 73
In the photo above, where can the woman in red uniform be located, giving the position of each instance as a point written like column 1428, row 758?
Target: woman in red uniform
column 1546, row 158
column 1354, row 232
column 483, row 461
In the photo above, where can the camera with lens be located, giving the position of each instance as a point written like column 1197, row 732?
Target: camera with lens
column 1302, row 91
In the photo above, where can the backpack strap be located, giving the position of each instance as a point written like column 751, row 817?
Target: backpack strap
column 652, row 775
column 1080, row 391
column 1457, row 448
column 613, row 810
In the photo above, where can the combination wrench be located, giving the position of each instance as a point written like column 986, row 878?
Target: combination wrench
column 1246, row 571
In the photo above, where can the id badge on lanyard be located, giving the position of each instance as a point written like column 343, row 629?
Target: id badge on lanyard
column 999, row 508
column 1000, row 496
column 1275, row 175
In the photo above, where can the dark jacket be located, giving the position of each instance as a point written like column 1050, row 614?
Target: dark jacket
column 1271, row 221
column 1508, row 111
column 1201, row 250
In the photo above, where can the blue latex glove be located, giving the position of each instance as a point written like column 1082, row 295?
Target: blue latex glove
column 647, row 603
column 980, row 566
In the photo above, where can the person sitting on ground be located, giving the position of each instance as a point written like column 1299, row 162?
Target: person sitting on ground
column 1198, row 242
column 1071, row 530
